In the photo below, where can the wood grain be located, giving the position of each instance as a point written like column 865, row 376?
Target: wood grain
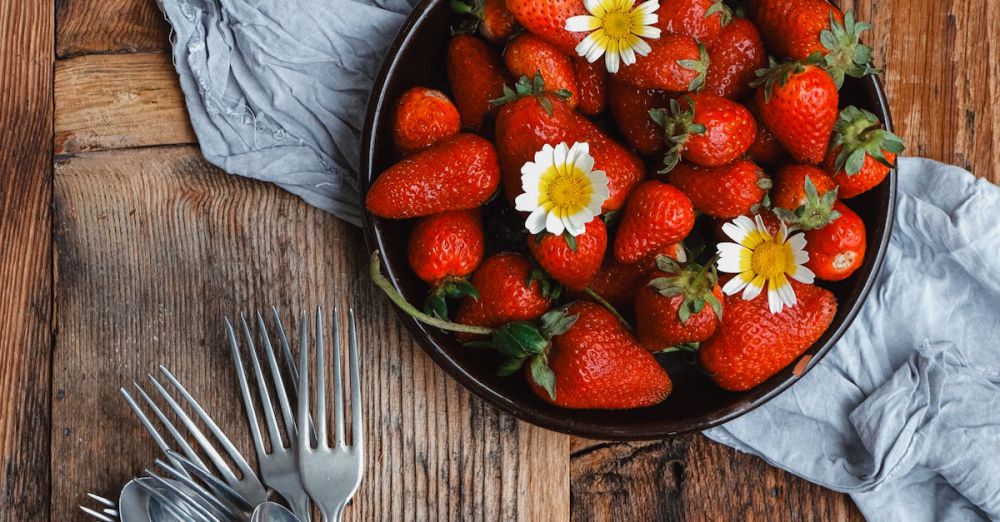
column 115, row 101
column 109, row 26
column 155, row 246
column 26, row 330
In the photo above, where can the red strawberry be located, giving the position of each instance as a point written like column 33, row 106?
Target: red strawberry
column 705, row 129
column 798, row 103
column 678, row 305
column 657, row 214
column 765, row 149
column 676, row 63
column 592, row 82
column 837, row 249
column 491, row 17
column 862, row 152
column 443, row 250
column 572, row 261
column 617, row 283
column 508, row 291
column 547, row 19
column 423, row 117
column 723, row 192
column 595, row 363
column 702, row 20
column 458, row 173
column 753, row 344
column 476, row 76
column 528, row 55
column 736, row 54
column 630, row 106
column 532, row 118
column 804, row 195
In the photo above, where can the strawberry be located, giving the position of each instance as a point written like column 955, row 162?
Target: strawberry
column 491, row 17
column 837, row 249
column 532, row 117
column 509, row 290
column 423, row 117
column 592, row 83
column 804, row 195
column 798, row 29
column 752, row 344
column 443, row 250
column 458, row 173
column 702, row 20
column 675, row 63
column 735, row 55
column 476, row 75
column 547, row 20
column 630, row 106
column 861, row 153
column 617, row 283
column 656, row 215
column 572, row 261
column 798, row 103
column 527, row 55
column 678, row 305
column 705, row 129
column 765, row 149
column 723, row 192
column 584, row 358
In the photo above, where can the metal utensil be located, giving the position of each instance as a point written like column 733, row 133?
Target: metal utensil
column 278, row 467
column 106, row 512
column 274, row 512
column 331, row 474
column 247, row 485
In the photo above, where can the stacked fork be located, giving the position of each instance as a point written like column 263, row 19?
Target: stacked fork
column 303, row 465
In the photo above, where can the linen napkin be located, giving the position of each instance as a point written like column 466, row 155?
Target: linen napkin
column 903, row 414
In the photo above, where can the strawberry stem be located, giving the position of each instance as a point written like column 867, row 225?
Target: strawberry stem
column 375, row 272
column 611, row 308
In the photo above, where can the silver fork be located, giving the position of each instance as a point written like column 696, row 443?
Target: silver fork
column 247, row 485
column 331, row 474
column 108, row 510
column 278, row 468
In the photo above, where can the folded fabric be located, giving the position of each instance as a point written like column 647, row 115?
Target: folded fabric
column 904, row 413
column 277, row 91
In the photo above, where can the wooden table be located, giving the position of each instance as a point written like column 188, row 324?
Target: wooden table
column 121, row 248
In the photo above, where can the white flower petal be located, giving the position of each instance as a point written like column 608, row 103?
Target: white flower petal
column 649, row 7
column 628, row 56
column 554, row 225
column 582, row 23
column 729, row 258
column 641, row 47
column 774, row 302
column 761, row 228
column 591, row 5
column 595, row 51
column 803, row 275
column 734, row 285
column 536, row 220
column 526, row 202
column 611, row 60
column 787, row 295
column 735, row 231
column 797, row 242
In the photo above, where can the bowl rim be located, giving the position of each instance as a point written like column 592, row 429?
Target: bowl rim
column 752, row 399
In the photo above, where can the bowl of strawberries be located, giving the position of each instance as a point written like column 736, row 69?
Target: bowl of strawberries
column 627, row 219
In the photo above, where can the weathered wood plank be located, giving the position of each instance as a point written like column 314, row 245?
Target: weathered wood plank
column 154, row 246
column 109, row 26
column 116, row 101
column 26, row 56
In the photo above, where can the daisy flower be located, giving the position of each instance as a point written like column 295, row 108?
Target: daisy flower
column 758, row 259
column 562, row 191
column 617, row 29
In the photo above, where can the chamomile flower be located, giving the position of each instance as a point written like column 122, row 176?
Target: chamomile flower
column 562, row 191
column 760, row 259
column 617, row 29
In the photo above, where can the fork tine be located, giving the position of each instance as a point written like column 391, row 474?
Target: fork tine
column 303, row 418
column 171, row 429
column 357, row 424
column 241, row 376
column 220, row 436
column 338, row 384
column 269, row 417
column 213, row 482
column 97, row 514
column 220, row 507
column 319, row 416
column 103, row 501
column 286, row 349
column 186, row 499
column 182, row 509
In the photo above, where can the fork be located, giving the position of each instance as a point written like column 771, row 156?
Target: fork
column 247, row 485
column 331, row 474
column 279, row 467
column 108, row 510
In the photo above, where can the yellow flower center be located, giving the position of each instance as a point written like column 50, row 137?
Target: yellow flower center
column 567, row 191
column 770, row 259
column 617, row 24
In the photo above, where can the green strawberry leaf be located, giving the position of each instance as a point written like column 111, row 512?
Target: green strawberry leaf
column 510, row 366
column 543, row 375
column 519, row 340
column 557, row 322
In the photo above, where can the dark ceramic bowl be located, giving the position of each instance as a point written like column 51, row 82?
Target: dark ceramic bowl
column 417, row 57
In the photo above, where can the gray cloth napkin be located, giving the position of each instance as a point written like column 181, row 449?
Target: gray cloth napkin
column 903, row 414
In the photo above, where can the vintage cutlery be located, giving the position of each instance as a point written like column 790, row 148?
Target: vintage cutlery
column 274, row 512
